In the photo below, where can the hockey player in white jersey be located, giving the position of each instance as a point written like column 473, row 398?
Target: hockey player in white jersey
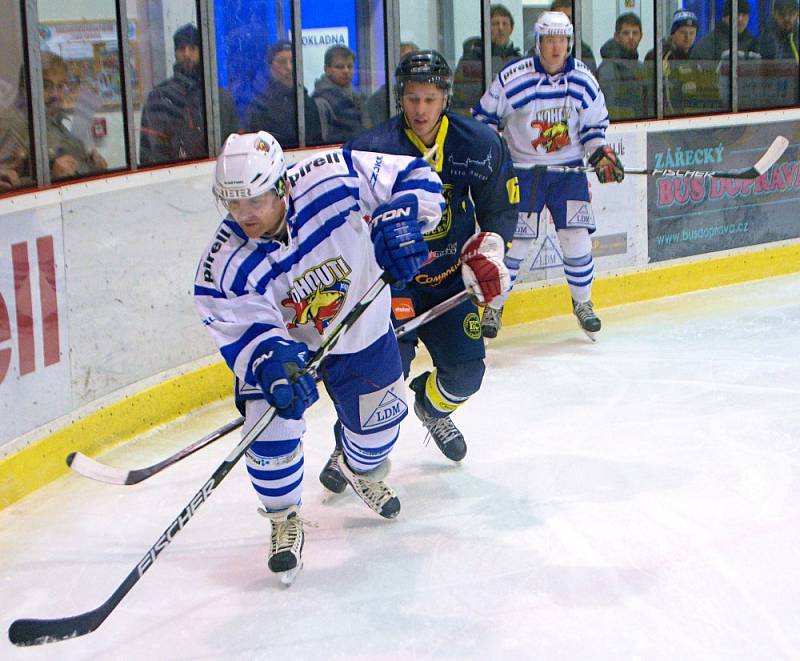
column 552, row 112
column 298, row 249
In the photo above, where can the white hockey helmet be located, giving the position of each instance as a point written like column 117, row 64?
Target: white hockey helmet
column 249, row 165
column 553, row 23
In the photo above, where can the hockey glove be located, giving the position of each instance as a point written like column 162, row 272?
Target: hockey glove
column 485, row 275
column 396, row 233
column 277, row 366
column 607, row 165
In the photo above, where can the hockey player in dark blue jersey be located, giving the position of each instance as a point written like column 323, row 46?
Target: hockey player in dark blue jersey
column 479, row 185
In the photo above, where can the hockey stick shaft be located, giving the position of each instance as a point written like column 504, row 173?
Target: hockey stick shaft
column 96, row 470
column 26, row 632
column 767, row 160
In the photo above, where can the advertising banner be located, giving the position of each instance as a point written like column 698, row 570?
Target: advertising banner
column 34, row 351
column 691, row 216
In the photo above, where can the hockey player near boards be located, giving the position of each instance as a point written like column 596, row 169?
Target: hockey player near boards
column 552, row 112
column 293, row 256
column 474, row 165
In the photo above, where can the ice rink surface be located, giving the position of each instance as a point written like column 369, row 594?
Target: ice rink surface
column 633, row 499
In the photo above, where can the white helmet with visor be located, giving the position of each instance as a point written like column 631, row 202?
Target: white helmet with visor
column 552, row 23
column 249, row 166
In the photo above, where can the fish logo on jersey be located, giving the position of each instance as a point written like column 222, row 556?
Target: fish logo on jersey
column 552, row 135
column 318, row 295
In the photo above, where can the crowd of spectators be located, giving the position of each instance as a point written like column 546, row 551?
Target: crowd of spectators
column 173, row 123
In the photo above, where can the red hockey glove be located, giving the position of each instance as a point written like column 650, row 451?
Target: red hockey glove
column 607, row 165
column 485, row 276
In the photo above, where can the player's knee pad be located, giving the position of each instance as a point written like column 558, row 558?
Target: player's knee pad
column 366, row 451
column 575, row 243
column 276, row 471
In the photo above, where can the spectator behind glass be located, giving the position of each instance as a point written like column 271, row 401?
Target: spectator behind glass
column 468, row 76
column 173, row 117
column 683, row 79
column 587, row 56
column 622, row 77
column 781, row 37
column 341, row 108
column 68, row 156
column 717, row 44
column 275, row 110
column 377, row 104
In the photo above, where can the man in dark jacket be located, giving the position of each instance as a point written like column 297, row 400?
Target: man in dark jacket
column 621, row 76
column 173, row 118
column 717, row 44
column 781, row 37
column 683, row 78
column 341, row 108
column 274, row 109
column 468, row 77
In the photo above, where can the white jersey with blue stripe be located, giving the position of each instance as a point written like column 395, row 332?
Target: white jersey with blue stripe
column 546, row 120
column 249, row 290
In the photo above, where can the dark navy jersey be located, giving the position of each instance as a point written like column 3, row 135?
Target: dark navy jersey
column 479, row 185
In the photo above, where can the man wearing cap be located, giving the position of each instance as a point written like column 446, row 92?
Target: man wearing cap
column 680, row 74
column 717, row 44
column 781, row 37
column 173, row 117
column 274, row 109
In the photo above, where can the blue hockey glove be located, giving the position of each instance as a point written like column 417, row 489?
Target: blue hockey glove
column 277, row 366
column 399, row 246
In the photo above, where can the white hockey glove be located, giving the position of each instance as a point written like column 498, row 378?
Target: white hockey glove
column 485, row 275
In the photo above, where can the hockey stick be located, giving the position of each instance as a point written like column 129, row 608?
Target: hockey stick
column 96, row 470
column 26, row 632
column 767, row 160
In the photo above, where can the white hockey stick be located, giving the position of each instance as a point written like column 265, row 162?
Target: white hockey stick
column 767, row 160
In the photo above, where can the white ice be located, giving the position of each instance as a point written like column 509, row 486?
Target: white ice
column 637, row 498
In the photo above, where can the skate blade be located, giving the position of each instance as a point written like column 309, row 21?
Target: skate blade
column 287, row 577
column 591, row 335
column 329, row 496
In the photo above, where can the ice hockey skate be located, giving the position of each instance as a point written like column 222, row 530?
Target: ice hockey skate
column 286, row 545
column 587, row 319
column 370, row 487
column 491, row 322
column 331, row 475
column 444, row 433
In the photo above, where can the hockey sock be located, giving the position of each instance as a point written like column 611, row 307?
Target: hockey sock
column 520, row 246
column 276, row 471
column 367, row 451
column 578, row 263
column 439, row 402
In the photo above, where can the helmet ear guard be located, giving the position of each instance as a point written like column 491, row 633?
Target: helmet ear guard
column 555, row 24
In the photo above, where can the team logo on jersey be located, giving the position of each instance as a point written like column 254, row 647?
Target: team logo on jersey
column 443, row 228
column 317, row 296
column 472, row 326
column 552, row 135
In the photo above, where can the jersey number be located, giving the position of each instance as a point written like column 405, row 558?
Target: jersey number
column 512, row 186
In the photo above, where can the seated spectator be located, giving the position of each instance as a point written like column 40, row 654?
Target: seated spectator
column 781, row 37
column 683, row 79
column 377, row 104
column 275, row 110
column 468, row 76
column 8, row 179
column 173, row 117
column 341, row 108
column 68, row 155
column 622, row 77
column 717, row 44
column 587, row 56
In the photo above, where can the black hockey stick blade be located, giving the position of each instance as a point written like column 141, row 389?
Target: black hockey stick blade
column 27, row 632
column 95, row 470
